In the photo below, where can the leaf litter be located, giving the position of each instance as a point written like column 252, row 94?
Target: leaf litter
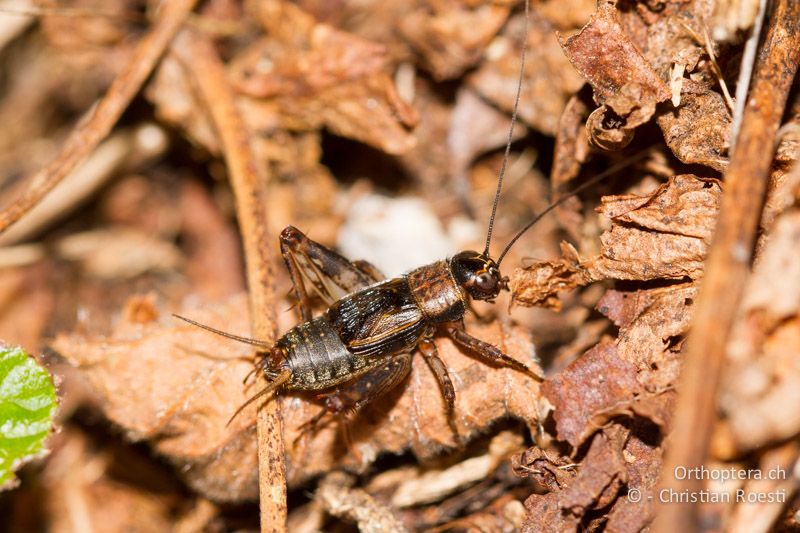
column 407, row 99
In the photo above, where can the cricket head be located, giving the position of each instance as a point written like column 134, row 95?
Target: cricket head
column 478, row 274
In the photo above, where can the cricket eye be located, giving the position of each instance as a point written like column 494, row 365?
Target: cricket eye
column 485, row 282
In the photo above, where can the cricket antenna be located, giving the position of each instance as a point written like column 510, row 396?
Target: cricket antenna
column 246, row 340
column 510, row 131
column 609, row 171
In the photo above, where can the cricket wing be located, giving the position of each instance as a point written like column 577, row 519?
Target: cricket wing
column 380, row 320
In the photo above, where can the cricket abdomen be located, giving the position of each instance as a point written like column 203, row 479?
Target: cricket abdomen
column 318, row 358
column 355, row 334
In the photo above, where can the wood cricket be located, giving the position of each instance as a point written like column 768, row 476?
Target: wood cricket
column 361, row 346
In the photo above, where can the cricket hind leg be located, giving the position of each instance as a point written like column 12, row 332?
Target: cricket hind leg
column 488, row 352
column 315, row 267
column 349, row 399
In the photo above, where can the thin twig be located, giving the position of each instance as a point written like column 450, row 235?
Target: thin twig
column 717, row 70
column 746, row 71
column 340, row 499
column 97, row 123
column 705, row 41
column 728, row 263
column 250, row 189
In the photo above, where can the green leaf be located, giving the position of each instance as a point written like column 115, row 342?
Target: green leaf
column 27, row 406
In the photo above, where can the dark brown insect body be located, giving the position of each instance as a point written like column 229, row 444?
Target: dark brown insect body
column 360, row 345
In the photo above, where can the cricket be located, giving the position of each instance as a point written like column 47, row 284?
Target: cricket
column 361, row 346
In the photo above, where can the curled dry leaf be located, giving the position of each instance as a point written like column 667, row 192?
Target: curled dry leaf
column 175, row 386
column 303, row 75
column 602, row 473
column 663, row 235
column 572, row 147
column 596, row 382
column 624, row 82
column 452, row 36
column 660, row 235
column 617, row 457
column 761, row 385
column 549, row 79
column 475, row 127
column 672, row 39
column 651, row 340
column 643, row 465
column 698, row 130
column 553, row 473
column 571, row 150
column 539, row 284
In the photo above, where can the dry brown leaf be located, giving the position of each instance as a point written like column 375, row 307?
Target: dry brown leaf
column 452, row 36
column 698, row 130
column 643, row 465
column 572, row 146
column 545, row 514
column 672, row 39
column 651, row 339
column 549, row 79
column 618, row 457
column 624, row 82
column 602, row 474
column 175, row 386
column 596, row 382
column 539, row 284
column 571, row 150
column 553, row 473
column 303, row 75
column 662, row 235
column 475, row 127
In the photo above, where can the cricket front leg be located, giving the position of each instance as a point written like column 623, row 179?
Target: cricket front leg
column 486, row 351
